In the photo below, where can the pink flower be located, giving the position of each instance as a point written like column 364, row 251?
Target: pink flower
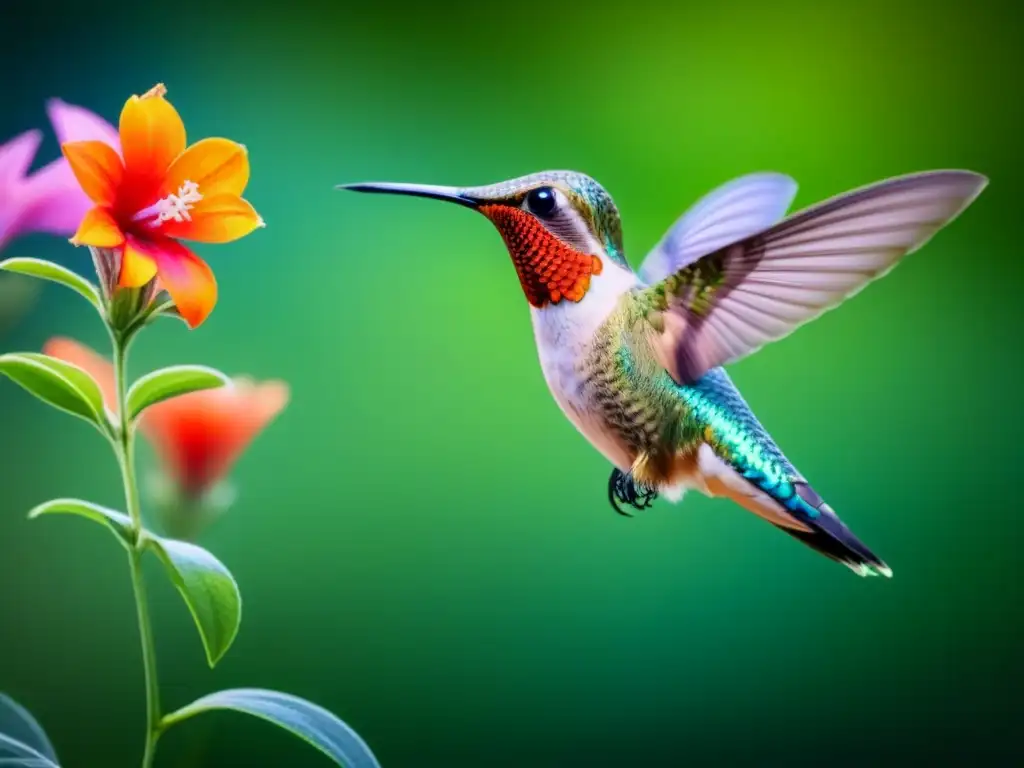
column 49, row 200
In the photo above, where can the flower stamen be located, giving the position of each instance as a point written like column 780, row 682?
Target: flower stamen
column 173, row 207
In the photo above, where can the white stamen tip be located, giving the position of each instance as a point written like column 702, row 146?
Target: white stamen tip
column 261, row 223
column 176, row 207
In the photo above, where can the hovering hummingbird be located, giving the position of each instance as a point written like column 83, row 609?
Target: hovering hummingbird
column 634, row 359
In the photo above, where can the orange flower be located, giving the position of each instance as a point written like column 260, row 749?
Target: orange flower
column 156, row 192
column 198, row 436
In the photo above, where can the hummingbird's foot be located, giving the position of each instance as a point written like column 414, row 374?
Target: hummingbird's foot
column 623, row 488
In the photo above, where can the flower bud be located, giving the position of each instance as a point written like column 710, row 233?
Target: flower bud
column 108, row 267
column 198, row 437
column 123, row 305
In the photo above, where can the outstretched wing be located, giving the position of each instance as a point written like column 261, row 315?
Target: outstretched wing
column 731, row 302
column 735, row 210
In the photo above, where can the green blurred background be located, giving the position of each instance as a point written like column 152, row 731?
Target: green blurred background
column 423, row 542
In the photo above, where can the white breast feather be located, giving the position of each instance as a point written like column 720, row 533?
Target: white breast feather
column 564, row 333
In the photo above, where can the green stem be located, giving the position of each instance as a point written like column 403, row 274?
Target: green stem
column 126, row 458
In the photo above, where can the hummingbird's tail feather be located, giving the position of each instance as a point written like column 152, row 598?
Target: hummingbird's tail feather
column 828, row 535
column 789, row 503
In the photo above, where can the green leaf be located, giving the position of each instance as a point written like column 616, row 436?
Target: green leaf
column 209, row 589
column 77, row 376
column 17, row 723
column 171, row 310
column 171, row 382
column 17, row 754
column 47, row 270
column 306, row 720
column 60, row 384
column 117, row 522
column 23, row 742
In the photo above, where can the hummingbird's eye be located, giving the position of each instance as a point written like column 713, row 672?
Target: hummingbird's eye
column 541, row 201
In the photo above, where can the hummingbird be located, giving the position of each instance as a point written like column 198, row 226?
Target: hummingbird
column 635, row 359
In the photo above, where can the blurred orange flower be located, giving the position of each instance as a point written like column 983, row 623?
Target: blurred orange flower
column 198, row 436
column 157, row 191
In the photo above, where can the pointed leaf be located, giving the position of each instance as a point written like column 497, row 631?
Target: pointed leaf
column 77, row 376
column 14, row 752
column 22, row 754
column 47, row 270
column 171, row 382
column 17, row 723
column 306, row 720
column 60, row 384
column 161, row 306
column 173, row 311
column 117, row 522
column 209, row 590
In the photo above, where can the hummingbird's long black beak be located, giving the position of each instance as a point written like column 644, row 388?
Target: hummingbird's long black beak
column 451, row 194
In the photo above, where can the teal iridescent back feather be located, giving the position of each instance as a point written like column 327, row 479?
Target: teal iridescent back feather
column 735, row 433
column 660, row 417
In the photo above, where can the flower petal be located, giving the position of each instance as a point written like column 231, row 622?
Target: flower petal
column 58, row 202
column 15, row 202
column 217, row 219
column 187, row 432
column 17, row 154
column 138, row 263
column 97, row 167
column 99, row 229
column 269, row 399
column 187, row 278
column 55, row 202
column 199, row 436
column 218, row 166
column 251, row 408
column 72, row 123
column 101, row 369
column 152, row 135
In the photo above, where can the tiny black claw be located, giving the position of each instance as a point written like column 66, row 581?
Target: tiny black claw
column 613, row 492
column 623, row 488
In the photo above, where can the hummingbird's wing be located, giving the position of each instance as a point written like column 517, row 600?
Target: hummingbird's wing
column 731, row 302
column 737, row 209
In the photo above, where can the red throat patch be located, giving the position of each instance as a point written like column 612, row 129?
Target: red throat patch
column 549, row 270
